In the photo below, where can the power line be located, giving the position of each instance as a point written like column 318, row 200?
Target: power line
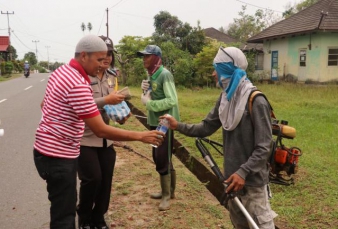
column 116, row 4
column 258, row 6
column 20, row 40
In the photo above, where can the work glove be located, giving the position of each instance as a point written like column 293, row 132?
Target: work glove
column 145, row 98
column 145, row 85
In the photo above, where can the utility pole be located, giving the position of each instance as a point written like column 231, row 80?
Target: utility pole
column 47, row 47
column 107, row 24
column 36, row 49
column 9, row 34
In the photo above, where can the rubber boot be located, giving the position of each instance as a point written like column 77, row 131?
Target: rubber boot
column 172, row 184
column 165, row 186
column 158, row 195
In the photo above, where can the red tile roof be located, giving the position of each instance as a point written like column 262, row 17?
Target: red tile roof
column 4, row 42
column 321, row 16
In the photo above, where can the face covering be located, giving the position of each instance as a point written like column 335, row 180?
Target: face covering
column 156, row 63
column 229, row 71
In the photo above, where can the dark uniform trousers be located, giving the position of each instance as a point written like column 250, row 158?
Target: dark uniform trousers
column 163, row 153
column 60, row 175
column 95, row 170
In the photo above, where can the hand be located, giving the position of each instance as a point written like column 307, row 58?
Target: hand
column 121, row 122
column 114, row 98
column 154, row 137
column 171, row 121
column 145, row 85
column 235, row 182
column 145, row 98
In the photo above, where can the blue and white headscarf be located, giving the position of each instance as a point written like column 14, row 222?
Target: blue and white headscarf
column 230, row 64
column 229, row 70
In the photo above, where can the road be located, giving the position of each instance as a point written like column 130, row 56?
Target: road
column 23, row 198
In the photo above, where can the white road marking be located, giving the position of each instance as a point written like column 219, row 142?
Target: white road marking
column 3, row 100
column 28, row 88
column 42, row 80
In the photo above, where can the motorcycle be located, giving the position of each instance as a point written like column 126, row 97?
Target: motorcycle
column 26, row 72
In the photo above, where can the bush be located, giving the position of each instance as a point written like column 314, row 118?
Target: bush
column 8, row 69
column 290, row 78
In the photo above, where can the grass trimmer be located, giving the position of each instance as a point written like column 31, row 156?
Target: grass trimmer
column 226, row 196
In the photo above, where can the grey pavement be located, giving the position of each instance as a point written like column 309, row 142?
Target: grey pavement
column 23, row 198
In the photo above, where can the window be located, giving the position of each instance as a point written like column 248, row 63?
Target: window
column 259, row 58
column 333, row 57
column 302, row 58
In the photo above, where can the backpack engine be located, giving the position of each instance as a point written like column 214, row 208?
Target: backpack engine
column 283, row 160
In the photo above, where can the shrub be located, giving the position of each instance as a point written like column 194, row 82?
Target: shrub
column 8, row 69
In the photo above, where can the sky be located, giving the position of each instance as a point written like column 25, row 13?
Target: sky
column 52, row 28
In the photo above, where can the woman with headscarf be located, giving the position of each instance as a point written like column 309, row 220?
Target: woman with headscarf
column 246, row 138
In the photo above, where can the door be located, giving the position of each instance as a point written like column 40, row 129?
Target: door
column 274, row 65
column 302, row 65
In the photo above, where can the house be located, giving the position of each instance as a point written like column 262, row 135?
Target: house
column 219, row 36
column 215, row 34
column 304, row 45
column 4, row 43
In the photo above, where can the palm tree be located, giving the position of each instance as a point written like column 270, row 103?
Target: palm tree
column 83, row 27
column 89, row 26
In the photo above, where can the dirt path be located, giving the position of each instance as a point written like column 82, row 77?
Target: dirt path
column 135, row 177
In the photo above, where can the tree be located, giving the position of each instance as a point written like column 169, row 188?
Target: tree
column 89, row 26
column 222, row 29
column 183, row 35
column 298, row 7
column 195, row 40
column 249, row 25
column 203, row 63
column 31, row 58
column 43, row 64
column 178, row 62
column 54, row 65
column 12, row 50
column 132, row 70
column 83, row 27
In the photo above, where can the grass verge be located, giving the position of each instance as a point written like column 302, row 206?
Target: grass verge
column 311, row 202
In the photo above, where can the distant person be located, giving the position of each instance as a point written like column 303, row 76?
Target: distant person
column 97, row 155
column 67, row 106
column 26, row 68
column 26, row 65
column 246, row 138
column 160, row 98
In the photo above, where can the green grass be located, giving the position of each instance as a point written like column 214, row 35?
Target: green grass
column 16, row 75
column 312, row 201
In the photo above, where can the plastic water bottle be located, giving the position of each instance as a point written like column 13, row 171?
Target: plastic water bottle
column 149, row 88
column 163, row 126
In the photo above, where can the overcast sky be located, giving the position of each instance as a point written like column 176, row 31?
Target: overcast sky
column 56, row 25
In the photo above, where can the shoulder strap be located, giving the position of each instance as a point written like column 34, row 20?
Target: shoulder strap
column 253, row 96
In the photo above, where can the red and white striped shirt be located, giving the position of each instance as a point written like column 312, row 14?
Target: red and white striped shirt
column 68, row 99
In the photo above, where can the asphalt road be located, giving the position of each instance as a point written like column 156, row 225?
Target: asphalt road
column 23, row 194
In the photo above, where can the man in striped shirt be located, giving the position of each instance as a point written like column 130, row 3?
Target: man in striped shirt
column 67, row 106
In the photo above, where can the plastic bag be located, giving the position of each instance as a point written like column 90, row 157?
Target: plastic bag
column 118, row 112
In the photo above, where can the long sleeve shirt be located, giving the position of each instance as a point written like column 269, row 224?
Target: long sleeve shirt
column 101, row 88
column 246, row 148
column 164, row 98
